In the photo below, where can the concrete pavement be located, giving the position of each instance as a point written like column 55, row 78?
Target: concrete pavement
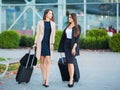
column 99, row 70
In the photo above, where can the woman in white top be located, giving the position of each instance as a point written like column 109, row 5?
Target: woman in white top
column 70, row 42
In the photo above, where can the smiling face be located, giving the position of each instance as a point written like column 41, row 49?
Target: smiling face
column 70, row 19
column 49, row 15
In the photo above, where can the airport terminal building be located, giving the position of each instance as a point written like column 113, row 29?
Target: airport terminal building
column 24, row 14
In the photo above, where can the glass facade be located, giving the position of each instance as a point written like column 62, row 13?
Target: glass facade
column 91, row 14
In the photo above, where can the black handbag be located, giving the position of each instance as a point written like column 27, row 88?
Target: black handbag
column 29, row 59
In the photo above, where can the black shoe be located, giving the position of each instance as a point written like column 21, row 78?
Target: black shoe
column 71, row 85
column 43, row 84
column 46, row 85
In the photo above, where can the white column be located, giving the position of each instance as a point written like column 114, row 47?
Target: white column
column 14, row 16
column 34, row 16
column 0, row 16
column 85, row 18
column 4, row 19
column 117, row 17
column 61, row 13
column 64, row 8
column 25, row 22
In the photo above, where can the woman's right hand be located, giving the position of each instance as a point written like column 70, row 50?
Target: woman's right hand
column 34, row 46
column 73, row 51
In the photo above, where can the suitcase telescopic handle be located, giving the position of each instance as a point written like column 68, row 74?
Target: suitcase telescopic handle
column 29, row 56
column 62, row 58
column 31, row 49
column 33, row 56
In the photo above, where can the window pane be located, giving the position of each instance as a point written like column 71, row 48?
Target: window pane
column 74, row 1
column 46, row 1
column 101, row 16
column 78, row 9
column 111, row 1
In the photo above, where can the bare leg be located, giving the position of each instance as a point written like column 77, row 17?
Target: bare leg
column 42, row 66
column 47, row 68
column 71, row 72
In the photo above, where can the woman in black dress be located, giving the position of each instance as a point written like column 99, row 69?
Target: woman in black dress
column 69, row 44
column 44, row 42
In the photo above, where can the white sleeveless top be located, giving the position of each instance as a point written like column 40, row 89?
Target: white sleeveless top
column 69, row 33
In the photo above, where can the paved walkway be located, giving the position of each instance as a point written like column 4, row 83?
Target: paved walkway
column 99, row 70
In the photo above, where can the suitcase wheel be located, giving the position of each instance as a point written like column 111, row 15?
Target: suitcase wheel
column 27, row 81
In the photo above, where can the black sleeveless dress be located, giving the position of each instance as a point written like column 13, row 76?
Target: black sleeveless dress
column 45, row 47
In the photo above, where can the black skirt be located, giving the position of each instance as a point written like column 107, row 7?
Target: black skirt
column 69, row 57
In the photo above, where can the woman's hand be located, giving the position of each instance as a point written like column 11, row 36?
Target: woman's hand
column 34, row 46
column 52, row 47
column 73, row 51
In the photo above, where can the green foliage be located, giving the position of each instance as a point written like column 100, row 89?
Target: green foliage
column 96, row 43
column 90, row 42
column 95, row 39
column 114, row 42
column 10, row 68
column 95, row 32
column 26, row 41
column 13, row 66
column 23, row 40
column 57, row 38
column 82, row 43
column 9, row 39
column 2, row 59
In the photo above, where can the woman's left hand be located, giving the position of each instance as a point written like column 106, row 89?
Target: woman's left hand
column 73, row 51
column 52, row 47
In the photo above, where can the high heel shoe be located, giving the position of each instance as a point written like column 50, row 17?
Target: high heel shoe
column 45, row 84
column 71, row 85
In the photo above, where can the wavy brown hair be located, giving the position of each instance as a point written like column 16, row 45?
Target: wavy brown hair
column 77, row 31
column 46, row 12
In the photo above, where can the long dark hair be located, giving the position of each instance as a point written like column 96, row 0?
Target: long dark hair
column 74, row 17
column 45, row 12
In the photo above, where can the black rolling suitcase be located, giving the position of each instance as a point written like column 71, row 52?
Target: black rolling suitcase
column 64, row 70
column 25, row 71
column 24, row 74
